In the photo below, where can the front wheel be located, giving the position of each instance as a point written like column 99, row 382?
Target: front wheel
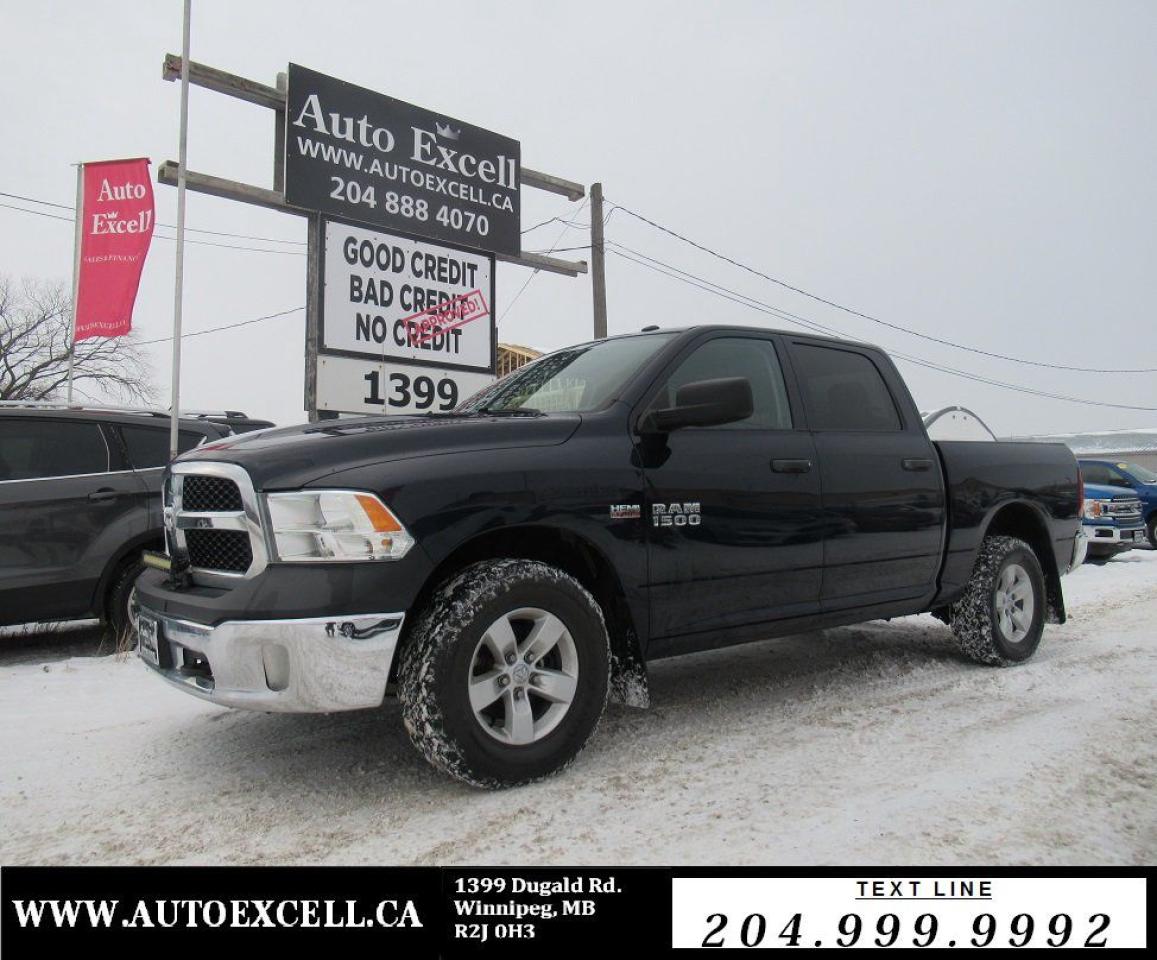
column 506, row 674
column 1152, row 530
column 1000, row 617
column 121, row 605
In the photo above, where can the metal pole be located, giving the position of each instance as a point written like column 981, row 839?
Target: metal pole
column 179, row 284
column 78, row 236
column 312, row 311
column 598, row 262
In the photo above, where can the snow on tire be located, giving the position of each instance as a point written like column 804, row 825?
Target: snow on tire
column 506, row 674
column 1000, row 617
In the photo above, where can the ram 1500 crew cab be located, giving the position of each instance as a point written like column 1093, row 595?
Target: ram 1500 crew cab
column 505, row 565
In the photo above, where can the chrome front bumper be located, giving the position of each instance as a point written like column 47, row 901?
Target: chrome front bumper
column 319, row 665
column 1113, row 536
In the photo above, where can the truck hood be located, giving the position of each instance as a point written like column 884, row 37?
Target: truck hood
column 1097, row 491
column 291, row 457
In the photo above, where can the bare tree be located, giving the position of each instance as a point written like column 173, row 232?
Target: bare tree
column 35, row 330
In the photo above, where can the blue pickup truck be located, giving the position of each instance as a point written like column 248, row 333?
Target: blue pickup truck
column 1124, row 479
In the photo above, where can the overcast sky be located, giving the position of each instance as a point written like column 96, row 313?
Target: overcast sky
column 978, row 172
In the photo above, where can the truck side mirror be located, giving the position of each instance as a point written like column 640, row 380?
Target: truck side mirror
column 704, row 403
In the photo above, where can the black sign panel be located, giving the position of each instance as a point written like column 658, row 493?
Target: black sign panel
column 364, row 156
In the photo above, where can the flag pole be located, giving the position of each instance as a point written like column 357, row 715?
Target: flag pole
column 78, row 232
column 178, row 286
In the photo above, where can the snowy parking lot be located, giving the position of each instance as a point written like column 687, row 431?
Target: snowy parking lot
column 873, row 744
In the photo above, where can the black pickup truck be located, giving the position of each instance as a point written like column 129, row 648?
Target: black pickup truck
column 506, row 565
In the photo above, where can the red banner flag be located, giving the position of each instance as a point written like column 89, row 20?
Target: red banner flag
column 117, row 225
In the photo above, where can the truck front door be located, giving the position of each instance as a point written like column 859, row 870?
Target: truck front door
column 732, row 512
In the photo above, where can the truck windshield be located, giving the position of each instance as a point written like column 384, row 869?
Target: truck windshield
column 1138, row 471
column 575, row 380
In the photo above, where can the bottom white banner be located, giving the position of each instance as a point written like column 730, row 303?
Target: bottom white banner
column 900, row 911
column 350, row 385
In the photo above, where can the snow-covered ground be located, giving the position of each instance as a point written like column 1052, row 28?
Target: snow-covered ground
column 875, row 744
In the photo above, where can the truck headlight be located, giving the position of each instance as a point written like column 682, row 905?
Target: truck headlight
column 335, row 525
column 1096, row 508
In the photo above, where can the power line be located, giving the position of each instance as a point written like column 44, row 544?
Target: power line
column 585, row 246
column 708, row 286
column 215, row 233
column 161, row 236
column 227, row 326
column 521, row 290
column 550, row 220
column 869, row 317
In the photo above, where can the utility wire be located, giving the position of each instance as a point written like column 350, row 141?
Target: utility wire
column 708, row 286
column 227, row 326
column 215, row 233
column 869, row 317
column 161, row 236
column 521, row 290
column 547, row 222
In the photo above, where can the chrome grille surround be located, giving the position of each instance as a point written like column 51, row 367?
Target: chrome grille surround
column 249, row 519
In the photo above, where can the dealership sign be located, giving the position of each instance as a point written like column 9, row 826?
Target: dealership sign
column 361, row 155
column 416, row 317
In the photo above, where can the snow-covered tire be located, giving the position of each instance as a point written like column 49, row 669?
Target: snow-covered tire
column 120, row 605
column 1004, row 565
column 454, row 645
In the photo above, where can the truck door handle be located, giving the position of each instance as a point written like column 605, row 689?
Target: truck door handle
column 916, row 463
column 104, row 495
column 791, row 466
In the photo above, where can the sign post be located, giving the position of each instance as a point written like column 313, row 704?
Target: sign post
column 179, row 279
column 76, row 241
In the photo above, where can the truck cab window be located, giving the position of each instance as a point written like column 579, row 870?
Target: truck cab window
column 844, row 390
column 748, row 357
column 1096, row 473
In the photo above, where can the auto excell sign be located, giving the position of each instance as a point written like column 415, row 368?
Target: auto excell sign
column 364, row 156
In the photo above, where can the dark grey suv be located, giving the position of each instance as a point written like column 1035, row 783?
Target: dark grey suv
column 80, row 498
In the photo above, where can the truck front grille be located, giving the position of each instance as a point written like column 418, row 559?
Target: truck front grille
column 227, row 550
column 211, row 495
column 1124, row 509
column 213, row 517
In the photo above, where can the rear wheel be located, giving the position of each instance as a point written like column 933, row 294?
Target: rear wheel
column 506, row 674
column 1001, row 616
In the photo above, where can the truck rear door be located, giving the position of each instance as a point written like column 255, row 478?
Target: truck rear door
column 881, row 486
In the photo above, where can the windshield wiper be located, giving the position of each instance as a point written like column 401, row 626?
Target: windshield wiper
column 511, row 412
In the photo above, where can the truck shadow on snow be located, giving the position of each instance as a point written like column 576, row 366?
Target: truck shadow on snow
column 368, row 752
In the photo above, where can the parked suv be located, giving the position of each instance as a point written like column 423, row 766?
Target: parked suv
column 1128, row 477
column 80, row 497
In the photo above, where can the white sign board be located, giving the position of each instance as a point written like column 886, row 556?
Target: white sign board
column 406, row 326
column 390, row 298
column 358, row 385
